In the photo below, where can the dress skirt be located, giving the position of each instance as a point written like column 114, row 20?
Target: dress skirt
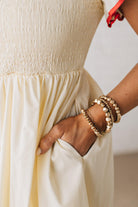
column 29, row 107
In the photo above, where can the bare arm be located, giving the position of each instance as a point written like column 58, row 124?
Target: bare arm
column 130, row 10
column 126, row 92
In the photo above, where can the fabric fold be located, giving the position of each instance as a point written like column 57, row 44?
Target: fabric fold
column 29, row 107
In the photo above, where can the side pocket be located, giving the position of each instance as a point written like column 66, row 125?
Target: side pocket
column 92, row 148
column 68, row 148
column 67, row 179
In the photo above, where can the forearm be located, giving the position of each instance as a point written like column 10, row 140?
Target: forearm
column 125, row 94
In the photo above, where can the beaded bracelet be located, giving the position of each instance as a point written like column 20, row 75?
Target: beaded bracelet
column 109, row 109
column 104, row 101
column 108, row 114
column 93, row 127
column 116, row 107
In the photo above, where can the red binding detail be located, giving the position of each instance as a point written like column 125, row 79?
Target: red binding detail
column 113, row 13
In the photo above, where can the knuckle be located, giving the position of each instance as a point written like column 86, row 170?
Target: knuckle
column 57, row 129
column 43, row 143
column 49, row 140
column 46, row 143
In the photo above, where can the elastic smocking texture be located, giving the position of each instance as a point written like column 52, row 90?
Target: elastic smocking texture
column 46, row 36
column 39, row 63
column 42, row 74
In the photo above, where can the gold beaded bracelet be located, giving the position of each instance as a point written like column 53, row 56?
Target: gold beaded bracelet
column 93, row 127
column 104, row 101
column 108, row 114
column 116, row 107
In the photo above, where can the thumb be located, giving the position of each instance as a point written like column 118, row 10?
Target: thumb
column 47, row 141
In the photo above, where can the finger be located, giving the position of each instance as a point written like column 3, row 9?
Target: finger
column 48, row 140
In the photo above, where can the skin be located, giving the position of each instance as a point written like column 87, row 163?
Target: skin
column 75, row 130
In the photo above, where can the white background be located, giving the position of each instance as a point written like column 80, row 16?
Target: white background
column 112, row 54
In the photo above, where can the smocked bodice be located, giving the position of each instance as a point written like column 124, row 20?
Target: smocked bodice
column 38, row 36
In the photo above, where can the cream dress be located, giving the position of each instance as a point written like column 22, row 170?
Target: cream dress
column 43, row 47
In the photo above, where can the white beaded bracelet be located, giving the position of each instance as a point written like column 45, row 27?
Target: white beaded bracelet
column 108, row 114
column 116, row 107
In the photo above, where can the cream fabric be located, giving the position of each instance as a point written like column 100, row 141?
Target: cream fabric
column 43, row 48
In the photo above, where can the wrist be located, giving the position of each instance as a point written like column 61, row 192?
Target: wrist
column 83, row 123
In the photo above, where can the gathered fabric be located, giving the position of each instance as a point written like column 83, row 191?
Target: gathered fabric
column 29, row 107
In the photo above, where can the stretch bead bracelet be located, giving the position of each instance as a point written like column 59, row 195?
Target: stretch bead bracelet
column 108, row 114
column 116, row 107
column 93, row 127
column 109, row 109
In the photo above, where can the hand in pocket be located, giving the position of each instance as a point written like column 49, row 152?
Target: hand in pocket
column 75, row 130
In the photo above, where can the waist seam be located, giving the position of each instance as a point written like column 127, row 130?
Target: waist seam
column 46, row 73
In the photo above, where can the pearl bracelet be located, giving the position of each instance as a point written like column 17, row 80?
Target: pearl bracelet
column 108, row 113
column 116, row 107
column 93, row 127
column 104, row 101
column 109, row 109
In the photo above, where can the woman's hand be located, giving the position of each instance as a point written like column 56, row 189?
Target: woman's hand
column 75, row 130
